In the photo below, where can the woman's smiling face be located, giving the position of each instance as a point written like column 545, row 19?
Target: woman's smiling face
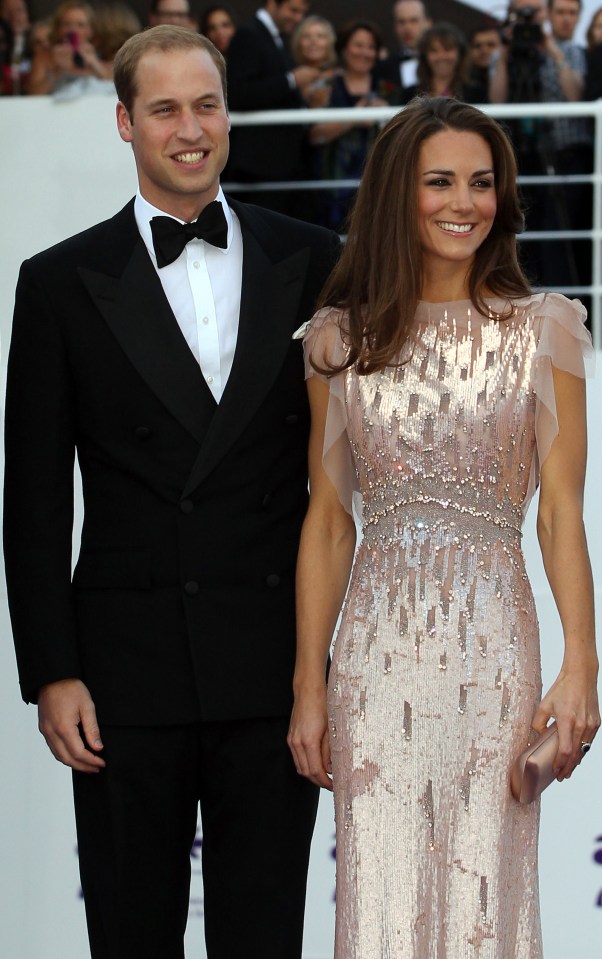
column 456, row 198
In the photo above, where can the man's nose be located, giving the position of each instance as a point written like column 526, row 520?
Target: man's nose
column 190, row 127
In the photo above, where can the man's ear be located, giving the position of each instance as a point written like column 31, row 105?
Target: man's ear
column 124, row 123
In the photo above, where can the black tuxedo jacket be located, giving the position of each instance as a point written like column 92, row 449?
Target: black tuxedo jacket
column 389, row 70
column 181, row 605
column 257, row 80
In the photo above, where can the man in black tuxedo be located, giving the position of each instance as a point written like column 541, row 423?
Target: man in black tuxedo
column 410, row 21
column 162, row 671
column 263, row 76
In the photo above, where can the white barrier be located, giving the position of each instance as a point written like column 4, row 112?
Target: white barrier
column 63, row 168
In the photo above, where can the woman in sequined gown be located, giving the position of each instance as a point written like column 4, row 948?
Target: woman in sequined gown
column 443, row 392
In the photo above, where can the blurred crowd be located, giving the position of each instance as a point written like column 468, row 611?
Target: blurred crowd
column 289, row 56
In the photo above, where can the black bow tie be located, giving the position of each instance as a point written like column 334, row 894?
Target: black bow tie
column 170, row 237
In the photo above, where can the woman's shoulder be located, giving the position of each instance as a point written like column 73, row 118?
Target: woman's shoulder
column 561, row 336
column 552, row 308
column 324, row 337
column 330, row 321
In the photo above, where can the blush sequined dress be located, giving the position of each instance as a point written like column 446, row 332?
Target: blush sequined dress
column 436, row 666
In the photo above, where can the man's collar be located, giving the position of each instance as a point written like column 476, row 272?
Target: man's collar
column 263, row 15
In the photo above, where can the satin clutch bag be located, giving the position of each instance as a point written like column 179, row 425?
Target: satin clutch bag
column 533, row 771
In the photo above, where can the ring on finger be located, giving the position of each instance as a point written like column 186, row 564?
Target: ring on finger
column 585, row 748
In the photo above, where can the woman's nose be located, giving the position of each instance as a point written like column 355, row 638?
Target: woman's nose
column 462, row 198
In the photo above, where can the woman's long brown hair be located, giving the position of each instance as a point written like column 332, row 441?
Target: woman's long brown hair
column 450, row 38
column 378, row 279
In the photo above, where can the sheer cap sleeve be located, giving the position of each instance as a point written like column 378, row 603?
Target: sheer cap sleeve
column 324, row 344
column 564, row 343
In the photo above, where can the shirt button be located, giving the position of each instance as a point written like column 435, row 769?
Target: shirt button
column 291, row 420
column 191, row 588
column 205, row 320
column 142, row 432
column 186, row 506
column 210, row 379
column 272, row 581
column 196, row 264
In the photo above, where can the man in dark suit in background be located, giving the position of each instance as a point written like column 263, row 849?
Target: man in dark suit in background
column 263, row 76
column 410, row 22
column 161, row 351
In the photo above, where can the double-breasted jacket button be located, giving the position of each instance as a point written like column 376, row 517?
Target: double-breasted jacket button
column 142, row 432
column 191, row 588
column 272, row 581
column 291, row 420
column 266, row 500
column 186, row 506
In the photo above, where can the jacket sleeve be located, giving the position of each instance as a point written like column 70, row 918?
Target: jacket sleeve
column 38, row 492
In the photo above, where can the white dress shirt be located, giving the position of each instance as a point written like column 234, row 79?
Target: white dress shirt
column 203, row 289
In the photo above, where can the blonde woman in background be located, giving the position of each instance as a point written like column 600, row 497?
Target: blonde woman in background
column 314, row 45
column 72, row 55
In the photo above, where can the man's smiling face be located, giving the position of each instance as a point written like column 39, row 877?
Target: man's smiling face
column 178, row 128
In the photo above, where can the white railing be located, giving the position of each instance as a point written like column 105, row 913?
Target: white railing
column 498, row 111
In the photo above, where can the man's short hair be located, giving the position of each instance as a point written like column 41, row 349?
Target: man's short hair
column 164, row 38
column 484, row 28
column 425, row 12
column 154, row 7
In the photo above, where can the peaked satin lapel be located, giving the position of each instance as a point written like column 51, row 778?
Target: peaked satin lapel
column 138, row 313
column 269, row 305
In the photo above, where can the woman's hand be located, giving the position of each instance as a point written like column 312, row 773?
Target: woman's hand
column 369, row 101
column 308, row 738
column 305, row 75
column 89, row 63
column 90, row 58
column 573, row 702
column 62, row 58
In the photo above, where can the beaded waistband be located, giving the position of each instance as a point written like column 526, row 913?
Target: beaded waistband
column 372, row 519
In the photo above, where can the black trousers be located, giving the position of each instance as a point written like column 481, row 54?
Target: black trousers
column 136, row 823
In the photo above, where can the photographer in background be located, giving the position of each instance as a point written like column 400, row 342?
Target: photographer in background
column 538, row 62
column 544, row 65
